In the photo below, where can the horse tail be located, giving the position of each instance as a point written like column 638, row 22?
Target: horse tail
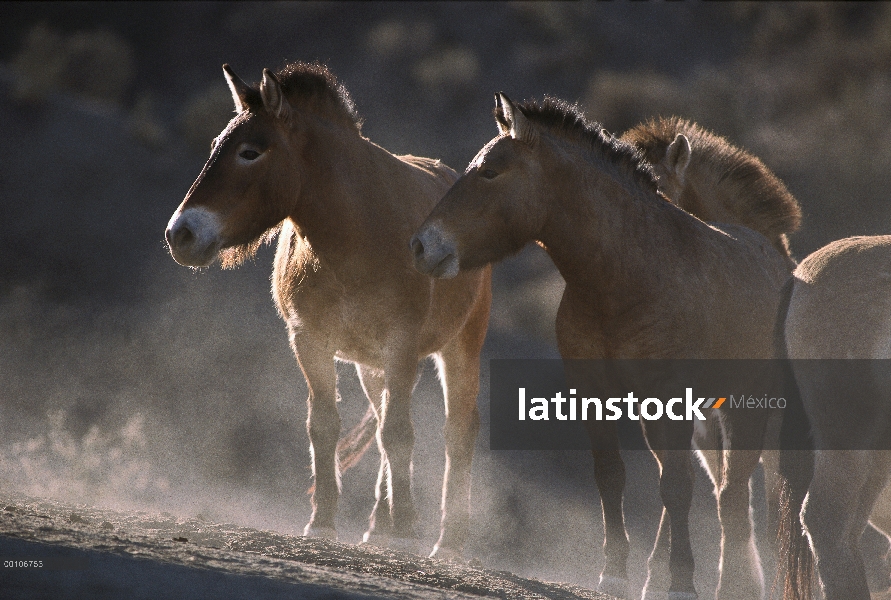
column 795, row 561
column 352, row 446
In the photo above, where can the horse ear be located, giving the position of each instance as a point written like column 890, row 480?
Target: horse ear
column 273, row 97
column 238, row 88
column 677, row 155
column 519, row 126
column 500, row 118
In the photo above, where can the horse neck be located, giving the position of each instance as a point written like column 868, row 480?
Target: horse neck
column 609, row 239
column 340, row 177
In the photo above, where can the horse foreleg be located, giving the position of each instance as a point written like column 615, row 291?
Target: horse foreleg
column 609, row 473
column 676, row 490
column 880, row 519
column 398, row 440
column 658, row 575
column 741, row 577
column 323, row 426
column 458, row 366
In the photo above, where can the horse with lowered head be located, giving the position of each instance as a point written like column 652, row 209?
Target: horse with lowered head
column 293, row 161
column 709, row 177
column 644, row 279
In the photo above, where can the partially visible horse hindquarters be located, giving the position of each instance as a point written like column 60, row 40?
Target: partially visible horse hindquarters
column 840, row 308
column 338, row 300
column 582, row 197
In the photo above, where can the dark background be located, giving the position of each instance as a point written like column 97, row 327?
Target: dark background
column 129, row 381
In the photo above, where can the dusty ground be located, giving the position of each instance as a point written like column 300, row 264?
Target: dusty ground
column 107, row 554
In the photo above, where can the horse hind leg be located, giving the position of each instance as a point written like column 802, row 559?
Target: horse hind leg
column 397, row 440
column 676, row 489
column 880, row 518
column 835, row 519
column 879, row 568
column 658, row 576
column 380, row 524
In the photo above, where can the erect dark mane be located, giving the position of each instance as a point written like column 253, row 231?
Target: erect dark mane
column 764, row 202
column 312, row 87
column 568, row 121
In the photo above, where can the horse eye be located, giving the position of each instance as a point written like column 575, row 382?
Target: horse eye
column 489, row 174
column 249, row 154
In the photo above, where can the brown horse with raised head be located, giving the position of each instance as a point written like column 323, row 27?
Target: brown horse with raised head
column 840, row 308
column 644, row 279
column 294, row 158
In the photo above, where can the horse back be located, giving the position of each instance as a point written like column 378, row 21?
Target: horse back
column 717, row 295
column 841, row 304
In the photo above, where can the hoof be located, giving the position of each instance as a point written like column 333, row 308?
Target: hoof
column 654, row 595
column 328, row 533
column 411, row 545
column 613, row 586
column 374, row 538
column 447, row 554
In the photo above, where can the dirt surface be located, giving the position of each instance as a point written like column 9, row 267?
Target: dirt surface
column 95, row 553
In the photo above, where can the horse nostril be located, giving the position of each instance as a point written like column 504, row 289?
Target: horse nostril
column 181, row 236
column 417, row 247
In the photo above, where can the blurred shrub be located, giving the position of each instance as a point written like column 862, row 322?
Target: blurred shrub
column 811, row 88
column 145, row 125
column 550, row 18
column 809, row 93
column 38, row 67
column 619, row 99
column 93, row 64
column 393, row 38
column 205, row 115
column 450, row 68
